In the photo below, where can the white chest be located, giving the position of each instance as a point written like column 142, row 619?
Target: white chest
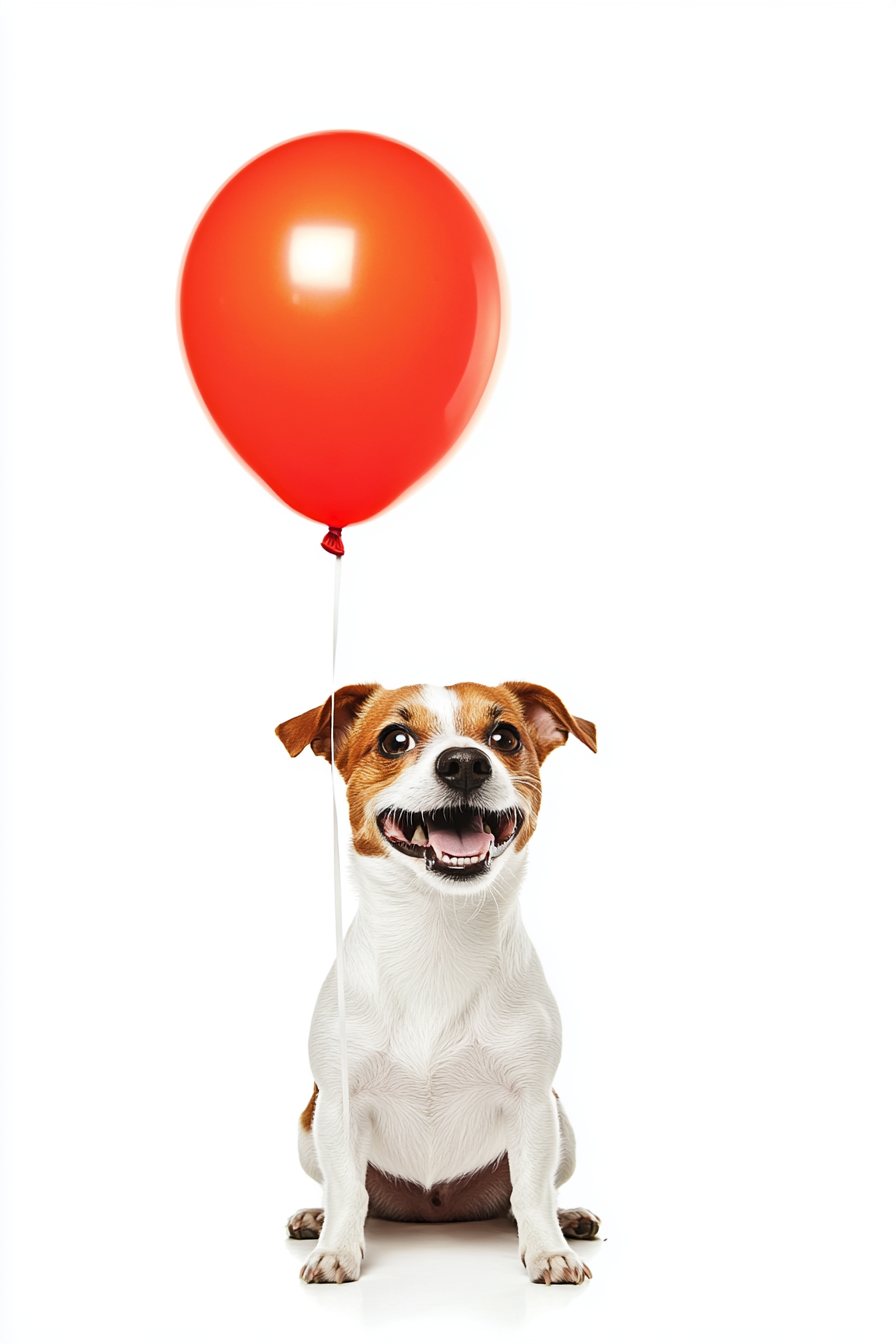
column 446, row 1017
column 435, row 1105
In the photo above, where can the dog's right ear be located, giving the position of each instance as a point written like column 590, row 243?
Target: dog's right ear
column 313, row 727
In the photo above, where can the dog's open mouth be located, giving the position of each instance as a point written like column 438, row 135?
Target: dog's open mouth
column 460, row 842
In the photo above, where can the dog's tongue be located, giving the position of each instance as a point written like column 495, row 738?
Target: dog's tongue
column 471, row 839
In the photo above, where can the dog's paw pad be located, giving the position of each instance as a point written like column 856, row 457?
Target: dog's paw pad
column 566, row 1268
column 305, row 1224
column 332, row 1267
column 579, row 1224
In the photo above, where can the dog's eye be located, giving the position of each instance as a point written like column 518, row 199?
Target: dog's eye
column 395, row 741
column 504, row 738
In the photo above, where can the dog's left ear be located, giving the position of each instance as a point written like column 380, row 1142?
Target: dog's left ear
column 548, row 719
column 313, row 727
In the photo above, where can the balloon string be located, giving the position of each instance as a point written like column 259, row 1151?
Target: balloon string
column 337, row 872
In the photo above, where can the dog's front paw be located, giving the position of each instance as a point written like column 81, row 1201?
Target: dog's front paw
column 579, row 1224
column 559, row 1267
column 332, row 1267
column 305, row 1224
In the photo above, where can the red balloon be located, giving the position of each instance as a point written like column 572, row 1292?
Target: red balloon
column 340, row 309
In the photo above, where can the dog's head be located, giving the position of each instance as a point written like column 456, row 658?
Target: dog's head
column 442, row 778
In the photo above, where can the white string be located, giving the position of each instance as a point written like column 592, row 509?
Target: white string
column 337, row 872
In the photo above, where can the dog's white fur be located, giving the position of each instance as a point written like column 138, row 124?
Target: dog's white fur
column 453, row 1034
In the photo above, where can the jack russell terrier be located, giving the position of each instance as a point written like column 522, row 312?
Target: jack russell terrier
column 453, row 1034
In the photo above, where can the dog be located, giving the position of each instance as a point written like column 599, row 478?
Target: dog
column 453, row 1034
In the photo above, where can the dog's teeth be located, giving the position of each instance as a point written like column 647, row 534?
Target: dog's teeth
column 487, row 829
column 419, row 837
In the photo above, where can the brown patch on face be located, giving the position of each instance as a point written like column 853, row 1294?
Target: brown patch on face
column 306, row 1119
column 366, row 770
column 362, row 712
column 542, row 722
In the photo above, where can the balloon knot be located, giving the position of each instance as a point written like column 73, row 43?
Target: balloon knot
column 332, row 542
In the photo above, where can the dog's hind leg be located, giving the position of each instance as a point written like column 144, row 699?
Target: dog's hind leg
column 306, row 1224
column 307, row 1150
column 567, row 1163
column 575, row 1224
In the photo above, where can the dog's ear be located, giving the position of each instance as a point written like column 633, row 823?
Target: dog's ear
column 548, row 719
column 313, row 727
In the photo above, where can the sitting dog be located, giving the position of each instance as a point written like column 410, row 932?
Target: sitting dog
column 453, row 1034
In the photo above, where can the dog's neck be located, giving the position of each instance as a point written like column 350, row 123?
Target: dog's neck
column 423, row 947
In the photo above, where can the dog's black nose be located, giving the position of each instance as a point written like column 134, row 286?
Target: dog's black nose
column 464, row 768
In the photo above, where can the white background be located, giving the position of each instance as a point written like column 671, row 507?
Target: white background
column 677, row 511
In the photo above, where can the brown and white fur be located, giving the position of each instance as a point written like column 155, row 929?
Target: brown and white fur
column 453, row 1033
